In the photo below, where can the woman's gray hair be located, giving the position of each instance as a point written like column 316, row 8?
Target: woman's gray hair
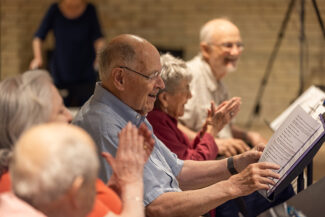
column 174, row 71
column 25, row 100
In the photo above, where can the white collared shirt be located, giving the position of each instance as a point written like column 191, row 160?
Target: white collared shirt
column 204, row 88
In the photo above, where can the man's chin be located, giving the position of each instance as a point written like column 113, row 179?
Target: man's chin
column 231, row 68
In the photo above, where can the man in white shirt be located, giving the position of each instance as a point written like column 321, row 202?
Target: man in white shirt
column 220, row 49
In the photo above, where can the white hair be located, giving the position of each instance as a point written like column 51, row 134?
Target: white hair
column 44, row 181
column 174, row 70
column 209, row 29
column 25, row 100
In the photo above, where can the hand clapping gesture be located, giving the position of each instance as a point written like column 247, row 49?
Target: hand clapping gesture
column 218, row 117
column 135, row 147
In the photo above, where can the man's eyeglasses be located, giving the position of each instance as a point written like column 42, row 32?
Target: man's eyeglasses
column 229, row 45
column 152, row 76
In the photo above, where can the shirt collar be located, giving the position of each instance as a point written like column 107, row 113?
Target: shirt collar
column 126, row 112
column 210, row 80
column 174, row 120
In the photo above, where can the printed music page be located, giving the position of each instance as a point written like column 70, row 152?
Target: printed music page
column 292, row 139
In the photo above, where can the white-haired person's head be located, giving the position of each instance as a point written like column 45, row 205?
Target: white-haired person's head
column 221, row 46
column 177, row 80
column 53, row 168
column 27, row 100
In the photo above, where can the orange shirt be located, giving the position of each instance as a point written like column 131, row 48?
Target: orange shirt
column 5, row 182
column 106, row 200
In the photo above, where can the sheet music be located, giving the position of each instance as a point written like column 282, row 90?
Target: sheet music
column 291, row 140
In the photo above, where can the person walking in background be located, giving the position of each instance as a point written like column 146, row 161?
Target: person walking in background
column 77, row 36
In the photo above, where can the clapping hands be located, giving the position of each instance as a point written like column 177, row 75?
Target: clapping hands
column 135, row 147
column 218, row 117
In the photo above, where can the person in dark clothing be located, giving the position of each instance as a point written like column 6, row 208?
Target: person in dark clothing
column 77, row 38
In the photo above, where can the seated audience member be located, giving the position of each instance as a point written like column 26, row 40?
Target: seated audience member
column 130, row 80
column 220, row 50
column 169, row 106
column 47, row 172
column 30, row 99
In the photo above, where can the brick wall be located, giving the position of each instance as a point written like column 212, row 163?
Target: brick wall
column 175, row 25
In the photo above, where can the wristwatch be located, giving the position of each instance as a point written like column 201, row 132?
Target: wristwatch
column 230, row 166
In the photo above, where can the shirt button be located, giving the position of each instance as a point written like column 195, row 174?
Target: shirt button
column 138, row 116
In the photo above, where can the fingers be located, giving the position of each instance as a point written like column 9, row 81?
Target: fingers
column 109, row 158
column 213, row 107
column 253, row 155
column 233, row 147
column 233, row 106
column 260, row 147
column 231, row 150
column 268, row 165
column 146, row 133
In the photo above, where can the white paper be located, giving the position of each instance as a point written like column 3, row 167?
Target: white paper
column 294, row 136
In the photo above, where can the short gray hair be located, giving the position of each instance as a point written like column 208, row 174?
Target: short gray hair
column 114, row 53
column 25, row 100
column 174, row 70
column 41, row 182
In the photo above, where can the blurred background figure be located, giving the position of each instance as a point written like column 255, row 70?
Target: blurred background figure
column 220, row 49
column 30, row 99
column 77, row 36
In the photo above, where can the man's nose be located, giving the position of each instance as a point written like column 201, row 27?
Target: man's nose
column 235, row 50
column 160, row 83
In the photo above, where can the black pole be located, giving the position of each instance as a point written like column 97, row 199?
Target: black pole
column 310, row 174
column 319, row 17
column 300, row 182
column 302, row 46
column 270, row 63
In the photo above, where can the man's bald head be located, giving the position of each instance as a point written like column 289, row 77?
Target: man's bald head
column 125, row 49
column 221, row 46
column 130, row 69
column 216, row 28
column 47, row 162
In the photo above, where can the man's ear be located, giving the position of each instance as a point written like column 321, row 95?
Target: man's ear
column 74, row 190
column 163, row 99
column 118, row 76
column 205, row 50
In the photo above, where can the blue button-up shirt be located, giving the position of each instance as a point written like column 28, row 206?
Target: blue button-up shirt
column 103, row 116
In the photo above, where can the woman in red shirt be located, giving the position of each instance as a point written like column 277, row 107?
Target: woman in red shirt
column 169, row 106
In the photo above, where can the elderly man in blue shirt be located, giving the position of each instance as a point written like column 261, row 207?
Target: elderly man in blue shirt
column 130, row 81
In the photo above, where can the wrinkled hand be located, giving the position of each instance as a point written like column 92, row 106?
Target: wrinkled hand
column 243, row 160
column 220, row 116
column 231, row 147
column 255, row 177
column 255, row 138
column 131, row 155
column 35, row 63
column 148, row 140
